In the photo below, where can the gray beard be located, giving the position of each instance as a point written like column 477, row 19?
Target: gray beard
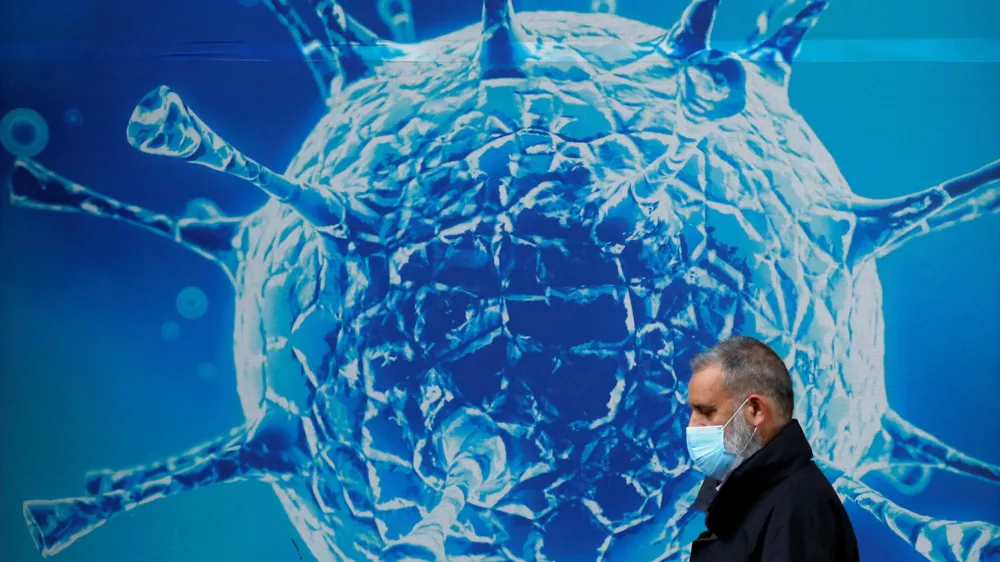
column 741, row 440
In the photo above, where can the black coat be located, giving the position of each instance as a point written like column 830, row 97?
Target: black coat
column 777, row 506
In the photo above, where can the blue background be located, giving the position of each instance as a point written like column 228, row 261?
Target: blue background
column 89, row 382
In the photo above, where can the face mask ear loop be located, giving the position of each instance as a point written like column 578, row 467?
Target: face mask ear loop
column 749, row 441
column 752, row 435
column 738, row 410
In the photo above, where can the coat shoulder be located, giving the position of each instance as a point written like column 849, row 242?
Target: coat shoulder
column 806, row 492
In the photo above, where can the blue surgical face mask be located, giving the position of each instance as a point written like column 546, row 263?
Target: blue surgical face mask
column 707, row 447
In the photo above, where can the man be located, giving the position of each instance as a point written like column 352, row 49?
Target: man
column 766, row 499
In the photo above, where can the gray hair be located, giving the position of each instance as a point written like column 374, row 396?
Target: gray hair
column 750, row 367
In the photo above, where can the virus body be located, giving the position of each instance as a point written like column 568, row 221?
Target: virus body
column 465, row 315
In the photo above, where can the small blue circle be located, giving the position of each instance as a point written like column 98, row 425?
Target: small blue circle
column 192, row 303
column 23, row 132
column 207, row 372
column 73, row 117
column 170, row 330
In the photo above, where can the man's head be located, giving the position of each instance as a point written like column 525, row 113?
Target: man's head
column 741, row 370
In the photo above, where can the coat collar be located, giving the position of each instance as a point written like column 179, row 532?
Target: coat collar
column 780, row 457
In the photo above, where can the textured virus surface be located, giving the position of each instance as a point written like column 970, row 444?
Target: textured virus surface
column 464, row 317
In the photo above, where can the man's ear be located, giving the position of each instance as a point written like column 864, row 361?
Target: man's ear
column 759, row 409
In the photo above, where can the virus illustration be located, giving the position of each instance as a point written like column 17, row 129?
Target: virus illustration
column 465, row 315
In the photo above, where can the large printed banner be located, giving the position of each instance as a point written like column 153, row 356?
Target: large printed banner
column 462, row 314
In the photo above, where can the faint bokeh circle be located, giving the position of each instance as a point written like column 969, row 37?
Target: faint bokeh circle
column 192, row 303
column 170, row 330
column 73, row 117
column 23, row 132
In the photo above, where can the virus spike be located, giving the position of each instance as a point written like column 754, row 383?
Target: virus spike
column 398, row 16
column 787, row 40
column 884, row 225
column 764, row 19
column 163, row 124
column 502, row 48
column 903, row 444
column 348, row 39
column 425, row 542
column 476, row 458
column 712, row 89
column 263, row 452
column 320, row 58
column 340, row 27
column 33, row 185
column 604, row 6
column 692, row 31
column 937, row 539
